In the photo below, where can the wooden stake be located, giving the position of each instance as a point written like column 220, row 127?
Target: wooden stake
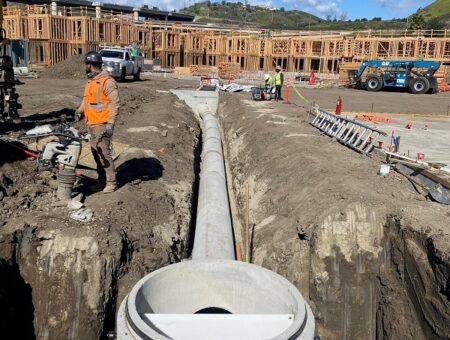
column 247, row 223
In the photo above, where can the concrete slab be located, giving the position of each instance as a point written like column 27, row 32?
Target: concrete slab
column 194, row 99
column 433, row 141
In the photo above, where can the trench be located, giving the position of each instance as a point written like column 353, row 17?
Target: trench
column 360, row 299
column 32, row 285
column 390, row 284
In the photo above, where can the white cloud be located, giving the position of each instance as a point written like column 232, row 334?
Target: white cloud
column 398, row 6
column 319, row 7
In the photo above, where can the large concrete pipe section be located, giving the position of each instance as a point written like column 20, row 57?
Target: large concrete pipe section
column 213, row 297
column 213, row 229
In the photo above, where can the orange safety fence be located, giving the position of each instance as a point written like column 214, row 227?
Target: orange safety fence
column 376, row 119
column 444, row 87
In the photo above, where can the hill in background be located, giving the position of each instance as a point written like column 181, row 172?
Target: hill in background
column 437, row 14
column 241, row 14
column 434, row 16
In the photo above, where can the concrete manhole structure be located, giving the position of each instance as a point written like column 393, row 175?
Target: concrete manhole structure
column 213, row 296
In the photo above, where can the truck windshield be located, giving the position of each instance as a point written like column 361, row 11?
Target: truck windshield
column 111, row 54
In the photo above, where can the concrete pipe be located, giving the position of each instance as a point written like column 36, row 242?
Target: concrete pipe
column 213, row 297
column 213, row 229
column 242, row 302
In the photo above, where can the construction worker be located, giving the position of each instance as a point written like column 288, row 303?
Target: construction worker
column 268, row 82
column 100, row 107
column 134, row 53
column 268, row 85
column 279, row 79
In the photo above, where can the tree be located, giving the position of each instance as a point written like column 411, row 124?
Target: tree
column 376, row 19
column 224, row 3
column 364, row 20
column 282, row 9
column 435, row 24
column 343, row 16
column 416, row 22
column 329, row 17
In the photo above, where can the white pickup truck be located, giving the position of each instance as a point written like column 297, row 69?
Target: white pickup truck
column 120, row 64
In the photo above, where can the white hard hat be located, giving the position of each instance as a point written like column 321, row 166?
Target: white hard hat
column 266, row 76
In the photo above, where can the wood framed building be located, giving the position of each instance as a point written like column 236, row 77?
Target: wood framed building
column 55, row 33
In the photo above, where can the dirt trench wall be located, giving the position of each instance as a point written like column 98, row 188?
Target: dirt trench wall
column 62, row 279
column 71, row 280
column 322, row 218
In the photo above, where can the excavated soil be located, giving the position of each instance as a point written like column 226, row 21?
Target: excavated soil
column 72, row 67
column 63, row 279
column 369, row 253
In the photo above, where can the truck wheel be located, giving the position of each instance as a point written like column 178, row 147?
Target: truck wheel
column 137, row 76
column 123, row 74
column 420, row 85
column 374, row 83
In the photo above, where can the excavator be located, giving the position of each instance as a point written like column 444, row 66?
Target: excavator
column 415, row 75
column 9, row 104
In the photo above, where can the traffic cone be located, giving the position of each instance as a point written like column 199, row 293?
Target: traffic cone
column 286, row 95
column 339, row 106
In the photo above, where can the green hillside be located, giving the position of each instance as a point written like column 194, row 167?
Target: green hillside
column 241, row 14
column 438, row 9
column 267, row 18
column 435, row 15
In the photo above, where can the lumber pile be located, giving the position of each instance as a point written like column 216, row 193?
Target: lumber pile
column 347, row 72
column 443, row 74
column 228, row 70
column 200, row 70
column 183, row 71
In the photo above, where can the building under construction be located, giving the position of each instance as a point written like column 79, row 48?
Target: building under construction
column 52, row 32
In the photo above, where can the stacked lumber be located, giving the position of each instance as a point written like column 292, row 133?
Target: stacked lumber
column 185, row 71
column 229, row 70
column 443, row 74
column 347, row 70
column 200, row 70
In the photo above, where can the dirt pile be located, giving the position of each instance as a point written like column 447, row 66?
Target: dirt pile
column 72, row 67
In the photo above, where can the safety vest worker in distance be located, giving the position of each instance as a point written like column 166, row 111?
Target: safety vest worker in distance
column 278, row 79
column 96, row 105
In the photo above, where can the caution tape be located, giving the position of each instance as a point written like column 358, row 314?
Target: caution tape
column 299, row 94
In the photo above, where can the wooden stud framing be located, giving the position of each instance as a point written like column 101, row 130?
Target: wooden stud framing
column 73, row 30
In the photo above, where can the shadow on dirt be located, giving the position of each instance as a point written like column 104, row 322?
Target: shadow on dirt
column 11, row 152
column 139, row 169
column 16, row 305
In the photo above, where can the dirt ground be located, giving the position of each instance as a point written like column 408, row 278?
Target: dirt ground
column 62, row 279
column 370, row 253
column 393, row 101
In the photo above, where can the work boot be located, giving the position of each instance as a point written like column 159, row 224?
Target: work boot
column 110, row 187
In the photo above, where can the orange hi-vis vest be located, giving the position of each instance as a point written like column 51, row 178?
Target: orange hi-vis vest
column 96, row 104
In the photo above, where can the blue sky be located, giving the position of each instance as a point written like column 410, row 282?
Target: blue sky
column 352, row 9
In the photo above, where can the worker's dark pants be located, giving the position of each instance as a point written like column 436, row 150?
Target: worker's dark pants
column 278, row 92
column 102, row 151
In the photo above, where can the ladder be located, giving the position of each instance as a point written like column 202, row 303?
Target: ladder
column 356, row 135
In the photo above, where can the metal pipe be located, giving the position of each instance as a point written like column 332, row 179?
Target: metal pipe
column 213, row 229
